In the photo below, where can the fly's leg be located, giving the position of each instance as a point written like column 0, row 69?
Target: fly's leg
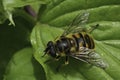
column 93, row 28
column 66, row 60
column 56, row 38
column 62, row 65
column 52, row 59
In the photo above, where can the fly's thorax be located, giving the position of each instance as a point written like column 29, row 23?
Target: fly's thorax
column 63, row 45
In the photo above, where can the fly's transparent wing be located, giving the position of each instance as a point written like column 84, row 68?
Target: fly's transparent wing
column 77, row 24
column 91, row 57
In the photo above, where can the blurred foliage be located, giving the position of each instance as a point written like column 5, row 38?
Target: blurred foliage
column 27, row 26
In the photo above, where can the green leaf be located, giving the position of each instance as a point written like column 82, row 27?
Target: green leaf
column 22, row 66
column 58, row 14
column 2, row 13
column 9, row 6
column 108, row 45
column 40, row 36
column 19, row 3
column 13, row 39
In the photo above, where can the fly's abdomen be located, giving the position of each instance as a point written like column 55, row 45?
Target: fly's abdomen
column 83, row 40
column 89, row 41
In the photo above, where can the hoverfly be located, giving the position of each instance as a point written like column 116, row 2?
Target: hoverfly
column 76, row 42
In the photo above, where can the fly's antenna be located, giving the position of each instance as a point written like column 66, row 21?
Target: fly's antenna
column 45, row 52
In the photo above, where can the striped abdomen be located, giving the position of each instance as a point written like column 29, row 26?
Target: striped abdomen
column 82, row 40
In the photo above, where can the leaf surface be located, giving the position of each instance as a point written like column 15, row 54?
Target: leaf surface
column 23, row 66
column 59, row 14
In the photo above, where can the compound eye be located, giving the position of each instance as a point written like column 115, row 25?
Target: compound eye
column 52, row 52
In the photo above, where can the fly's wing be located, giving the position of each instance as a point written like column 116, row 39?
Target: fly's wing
column 91, row 57
column 77, row 24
